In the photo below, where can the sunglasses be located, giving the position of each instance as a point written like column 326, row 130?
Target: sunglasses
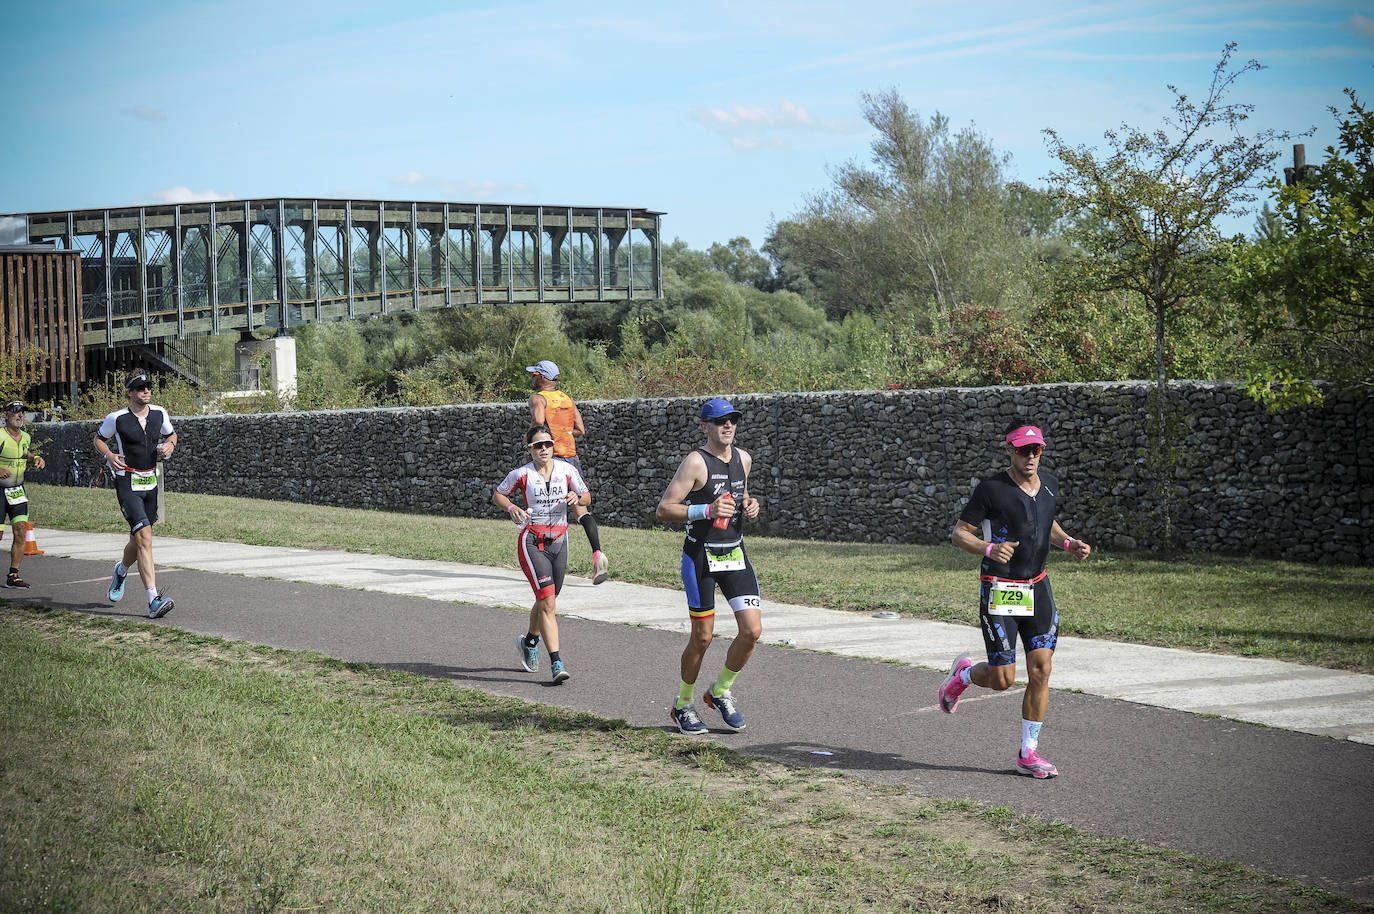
column 724, row 419
column 140, row 387
column 1030, row 450
column 541, row 444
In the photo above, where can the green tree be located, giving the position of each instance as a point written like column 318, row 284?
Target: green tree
column 925, row 220
column 1305, row 285
column 20, row 370
column 738, row 260
column 1144, row 213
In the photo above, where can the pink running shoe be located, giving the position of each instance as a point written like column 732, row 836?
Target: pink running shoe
column 952, row 688
column 1032, row 764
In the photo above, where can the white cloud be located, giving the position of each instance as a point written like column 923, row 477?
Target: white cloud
column 1363, row 26
column 787, row 116
column 144, row 113
column 463, row 190
column 186, row 195
column 751, row 128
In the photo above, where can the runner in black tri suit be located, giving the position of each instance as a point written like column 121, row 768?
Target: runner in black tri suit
column 1009, row 522
column 710, row 492
column 132, row 440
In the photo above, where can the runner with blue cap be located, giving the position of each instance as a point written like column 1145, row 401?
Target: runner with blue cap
column 710, row 493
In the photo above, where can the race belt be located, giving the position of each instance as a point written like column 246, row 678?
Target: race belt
column 547, row 534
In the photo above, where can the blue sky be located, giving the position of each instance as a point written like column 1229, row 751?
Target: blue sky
column 724, row 115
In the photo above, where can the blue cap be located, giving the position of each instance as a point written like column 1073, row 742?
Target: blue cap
column 544, row 367
column 718, row 408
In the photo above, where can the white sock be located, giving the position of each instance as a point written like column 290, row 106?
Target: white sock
column 1030, row 735
column 966, row 675
column 152, row 594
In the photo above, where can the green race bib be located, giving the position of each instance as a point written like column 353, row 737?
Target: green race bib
column 731, row 560
column 140, row 481
column 15, row 496
column 1011, row 598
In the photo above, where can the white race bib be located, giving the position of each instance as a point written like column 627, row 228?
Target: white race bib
column 1011, row 598
column 15, row 496
column 142, row 481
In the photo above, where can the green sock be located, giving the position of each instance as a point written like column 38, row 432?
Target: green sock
column 684, row 693
column 724, row 681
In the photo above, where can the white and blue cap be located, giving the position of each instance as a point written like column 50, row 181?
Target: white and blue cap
column 545, row 368
column 719, row 408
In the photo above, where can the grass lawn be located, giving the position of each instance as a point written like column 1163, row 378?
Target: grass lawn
column 1251, row 607
column 146, row 769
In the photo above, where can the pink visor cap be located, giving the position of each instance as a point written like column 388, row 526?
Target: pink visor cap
column 1026, row 434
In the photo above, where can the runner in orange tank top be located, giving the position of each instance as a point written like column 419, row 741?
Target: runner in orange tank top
column 556, row 411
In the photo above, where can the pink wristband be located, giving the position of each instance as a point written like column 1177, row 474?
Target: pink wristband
column 988, row 551
column 510, row 507
column 1068, row 544
column 708, row 511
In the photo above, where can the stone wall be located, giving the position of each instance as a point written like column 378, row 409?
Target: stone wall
column 874, row 466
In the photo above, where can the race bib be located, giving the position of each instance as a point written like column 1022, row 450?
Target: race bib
column 14, row 496
column 731, row 560
column 141, row 481
column 1011, row 598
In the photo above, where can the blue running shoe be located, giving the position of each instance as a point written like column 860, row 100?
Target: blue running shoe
column 560, row 675
column 687, row 720
column 725, row 704
column 117, row 585
column 529, row 656
column 159, row 606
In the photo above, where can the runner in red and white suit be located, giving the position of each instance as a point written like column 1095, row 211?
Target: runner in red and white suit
column 547, row 487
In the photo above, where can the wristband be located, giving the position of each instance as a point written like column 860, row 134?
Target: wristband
column 510, row 507
column 1068, row 544
column 698, row 512
column 988, row 551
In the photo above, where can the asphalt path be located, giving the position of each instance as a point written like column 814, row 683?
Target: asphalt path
column 1280, row 801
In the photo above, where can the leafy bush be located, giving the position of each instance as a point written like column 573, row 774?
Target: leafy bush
column 177, row 395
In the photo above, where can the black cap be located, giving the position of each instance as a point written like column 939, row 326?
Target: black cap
column 138, row 380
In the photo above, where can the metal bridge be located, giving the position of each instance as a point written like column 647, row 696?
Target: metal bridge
column 157, row 272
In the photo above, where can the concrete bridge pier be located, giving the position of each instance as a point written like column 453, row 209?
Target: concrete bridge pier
column 279, row 362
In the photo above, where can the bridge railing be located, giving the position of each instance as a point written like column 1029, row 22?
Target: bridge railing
column 201, row 268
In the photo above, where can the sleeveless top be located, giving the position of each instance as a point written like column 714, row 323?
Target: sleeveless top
column 720, row 477
column 12, row 457
column 559, row 416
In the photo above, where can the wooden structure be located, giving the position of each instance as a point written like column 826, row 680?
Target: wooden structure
column 40, row 299
column 247, row 266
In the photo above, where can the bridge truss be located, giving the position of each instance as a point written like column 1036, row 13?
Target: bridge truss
column 157, row 272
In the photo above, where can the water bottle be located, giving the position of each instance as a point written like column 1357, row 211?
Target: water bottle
column 720, row 523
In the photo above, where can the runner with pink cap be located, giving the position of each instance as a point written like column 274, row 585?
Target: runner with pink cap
column 1009, row 522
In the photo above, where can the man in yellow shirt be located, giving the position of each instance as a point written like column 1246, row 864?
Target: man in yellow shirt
column 16, row 453
column 554, row 409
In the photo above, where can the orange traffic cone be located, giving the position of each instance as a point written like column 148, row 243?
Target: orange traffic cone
column 30, row 544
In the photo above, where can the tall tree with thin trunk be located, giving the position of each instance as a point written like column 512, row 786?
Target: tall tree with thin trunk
column 1143, row 212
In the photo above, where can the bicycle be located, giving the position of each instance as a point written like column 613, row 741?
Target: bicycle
column 103, row 478
column 76, row 474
